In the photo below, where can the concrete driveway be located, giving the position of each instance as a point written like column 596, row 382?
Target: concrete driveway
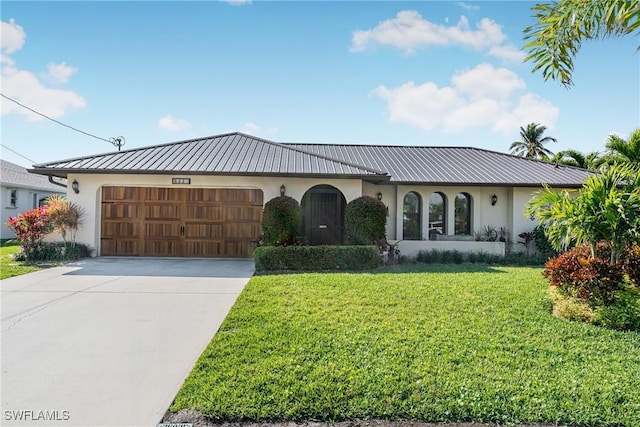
column 109, row 341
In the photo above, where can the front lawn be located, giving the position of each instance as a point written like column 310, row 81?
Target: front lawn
column 452, row 343
column 9, row 267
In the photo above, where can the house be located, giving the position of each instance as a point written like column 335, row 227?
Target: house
column 204, row 197
column 21, row 191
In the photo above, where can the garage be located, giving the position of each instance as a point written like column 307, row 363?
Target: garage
column 180, row 222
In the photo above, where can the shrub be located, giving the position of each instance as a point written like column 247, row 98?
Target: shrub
column 58, row 251
column 65, row 217
column 543, row 246
column 570, row 308
column 30, row 227
column 631, row 263
column 316, row 258
column 577, row 274
column 281, row 222
column 623, row 313
column 366, row 221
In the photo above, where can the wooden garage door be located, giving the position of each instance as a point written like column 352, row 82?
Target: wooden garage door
column 183, row 222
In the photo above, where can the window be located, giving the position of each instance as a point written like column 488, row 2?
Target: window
column 437, row 215
column 13, row 198
column 34, row 204
column 463, row 214
column 412, row 217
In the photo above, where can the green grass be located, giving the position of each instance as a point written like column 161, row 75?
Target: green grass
column 9, row 267
column 448, row 343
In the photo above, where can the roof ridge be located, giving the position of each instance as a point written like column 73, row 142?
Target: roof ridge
column 321, row 156
column 133, row 150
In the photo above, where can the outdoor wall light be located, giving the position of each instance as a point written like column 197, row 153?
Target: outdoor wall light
column 494, row 200
column 75, row 186
column 379, row 196
column 283, row 189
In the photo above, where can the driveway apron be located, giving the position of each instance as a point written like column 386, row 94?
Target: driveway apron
column 109, row 341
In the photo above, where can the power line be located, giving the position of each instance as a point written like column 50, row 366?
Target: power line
column 117, row 141
column 15, row 152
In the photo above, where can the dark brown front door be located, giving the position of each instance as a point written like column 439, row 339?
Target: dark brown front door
column 190, row 222
column 324, row 213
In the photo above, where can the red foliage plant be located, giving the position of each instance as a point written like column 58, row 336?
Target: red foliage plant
column 30, row 227
column 576, row 273
column 631, row 263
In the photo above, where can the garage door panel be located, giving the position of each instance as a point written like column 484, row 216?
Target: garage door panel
column 123, row 247
column 121, row 193
column 201, row 231
column 175, row 195
column 162, row 212
column 242, row 213
column 126, row 230
column 120, row 211
column 209, row 213
column 163, row 247
column 192, row 222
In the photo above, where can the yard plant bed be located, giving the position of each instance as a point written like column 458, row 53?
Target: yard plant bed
column 463, row 343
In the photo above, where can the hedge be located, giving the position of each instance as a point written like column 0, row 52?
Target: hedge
column 316, row 258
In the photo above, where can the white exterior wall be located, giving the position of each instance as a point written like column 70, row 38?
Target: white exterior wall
column 508, row 212
column 24, row 202
column 90, row 195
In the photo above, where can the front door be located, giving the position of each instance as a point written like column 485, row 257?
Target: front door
column 324, row 216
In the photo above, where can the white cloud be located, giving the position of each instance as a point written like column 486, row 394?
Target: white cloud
column 24, row 86
column 169, row 123
column 468, row 6
column 12, row 37
column 409, row 31
column 483, row 96
column 507, row 52
column 236, row 2
column 60, row 73
column 256, row 130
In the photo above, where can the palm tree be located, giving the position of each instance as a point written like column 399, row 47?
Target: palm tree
column 591, row 161
column 532, row 144
column 625, row 151
column 562, row 25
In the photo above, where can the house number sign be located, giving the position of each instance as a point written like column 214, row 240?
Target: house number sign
column 181, row 180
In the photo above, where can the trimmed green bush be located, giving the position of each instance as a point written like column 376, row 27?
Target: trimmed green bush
column 316, row 258
column 281, row 222
column 59, row 251
column 366, row 220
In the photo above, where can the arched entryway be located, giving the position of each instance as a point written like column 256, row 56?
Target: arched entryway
column 323, row 210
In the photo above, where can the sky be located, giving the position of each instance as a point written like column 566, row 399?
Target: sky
column 423, row 73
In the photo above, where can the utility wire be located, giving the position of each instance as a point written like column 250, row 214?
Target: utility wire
column 118, row 141
column 15, row 152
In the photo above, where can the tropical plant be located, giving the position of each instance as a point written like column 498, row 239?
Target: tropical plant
column 281, row 221
column 30, row 227
column 592, row 161
column 607, row 208
column 625, row 150
column 532, row 143
column 561, row 26
column 366, row 219
column 66, row 217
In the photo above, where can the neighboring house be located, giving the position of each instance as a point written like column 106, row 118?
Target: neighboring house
column 204, row 197
column 21, row 191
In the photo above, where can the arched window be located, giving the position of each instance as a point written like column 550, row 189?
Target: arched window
column 437, row 215
column 463, row 214
column 411, row 219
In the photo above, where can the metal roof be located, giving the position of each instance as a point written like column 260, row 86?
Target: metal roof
column 233, row 153
column 452, row 165
column 12, row 175
column 240, row 154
